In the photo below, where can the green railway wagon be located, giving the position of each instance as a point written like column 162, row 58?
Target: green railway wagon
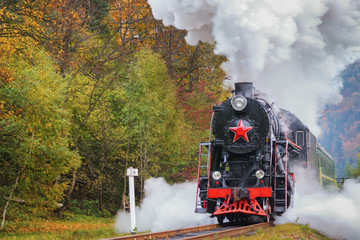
column 326, row 168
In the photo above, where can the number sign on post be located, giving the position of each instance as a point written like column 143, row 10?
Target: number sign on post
column 132, row 172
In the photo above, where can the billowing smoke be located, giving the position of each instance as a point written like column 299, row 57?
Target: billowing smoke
column 333, row 213
column 164, row 207
column 293, row 50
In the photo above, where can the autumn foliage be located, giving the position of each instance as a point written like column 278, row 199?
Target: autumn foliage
column 342, row 122
column 88, row 88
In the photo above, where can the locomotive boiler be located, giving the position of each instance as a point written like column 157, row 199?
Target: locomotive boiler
column 246, row 169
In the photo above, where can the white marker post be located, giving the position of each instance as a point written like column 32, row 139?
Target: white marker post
column 132, row 172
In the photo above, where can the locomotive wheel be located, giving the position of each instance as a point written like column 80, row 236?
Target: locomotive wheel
column 220, row 218
column 231, row 218
column 267, row 209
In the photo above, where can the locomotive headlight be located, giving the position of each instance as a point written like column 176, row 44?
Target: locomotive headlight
column 259, row 174
column 216, row 175
column 238, row 102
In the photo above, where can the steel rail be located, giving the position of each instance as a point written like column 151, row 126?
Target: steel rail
column 166, row 234
column 214, row 235
column 231, row 232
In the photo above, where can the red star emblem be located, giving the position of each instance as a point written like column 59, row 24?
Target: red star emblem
column 240, row 131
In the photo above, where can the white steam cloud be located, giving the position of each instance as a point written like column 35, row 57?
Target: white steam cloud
column 165, row 207
column 293, row 50
column 335, row 214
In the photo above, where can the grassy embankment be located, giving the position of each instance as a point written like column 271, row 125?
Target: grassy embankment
column 76, row 227
column 284, row 232
column 85, row 227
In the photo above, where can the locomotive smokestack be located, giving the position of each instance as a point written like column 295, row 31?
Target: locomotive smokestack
column 244, row 88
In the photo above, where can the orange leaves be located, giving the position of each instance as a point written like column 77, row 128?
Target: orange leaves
column 51, row 23
column 3, row 114
column 68, row 34
column 2, row 12
column 133, row 20
column 7, row 111
column 5, row 75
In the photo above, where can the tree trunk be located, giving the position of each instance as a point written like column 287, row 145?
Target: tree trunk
column 71, row 189
column 100, row 199
column 9, row 199
column 15, row 186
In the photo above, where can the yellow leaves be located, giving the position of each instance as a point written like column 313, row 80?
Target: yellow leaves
column 2, row 10
column 5, row 14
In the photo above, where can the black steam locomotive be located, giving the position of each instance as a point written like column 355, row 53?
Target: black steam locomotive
column 246, row 170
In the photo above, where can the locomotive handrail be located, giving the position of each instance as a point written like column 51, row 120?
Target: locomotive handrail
column 291, row 143
column 207, row 166
column 326, row 177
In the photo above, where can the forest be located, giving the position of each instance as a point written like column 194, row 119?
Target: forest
column 341, row 124
column 89, row 88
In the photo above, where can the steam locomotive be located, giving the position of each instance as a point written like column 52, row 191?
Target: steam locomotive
column 247, row 169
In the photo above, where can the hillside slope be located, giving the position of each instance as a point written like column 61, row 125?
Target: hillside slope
column 341, row 122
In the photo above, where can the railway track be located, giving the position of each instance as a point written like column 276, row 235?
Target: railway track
column 212, row 231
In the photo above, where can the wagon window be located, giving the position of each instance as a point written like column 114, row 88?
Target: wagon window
column 300, row 138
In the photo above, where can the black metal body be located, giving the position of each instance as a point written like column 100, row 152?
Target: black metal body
column 276, row 142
